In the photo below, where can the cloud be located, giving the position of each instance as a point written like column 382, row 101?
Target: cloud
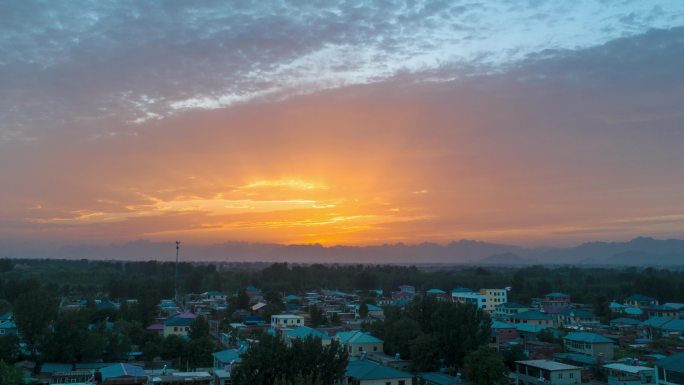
column 139, row 62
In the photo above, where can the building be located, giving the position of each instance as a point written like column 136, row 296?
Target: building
column 477, row 299
column 494, row 297
column 364, row 372
column 590, row 344
column 670, row 370
column 533, row 317
column 357, row 342
column 545, row 372
column 179, row 324
column 286, row 321
column 569, row 317
column 184, row 378
column 640, row 301
column 508, row 309
column 304, row 332
column 122, row 374
column 502, row 334
column 622, row 374
column 226, row 359
column 437, row 378
column 555, row 300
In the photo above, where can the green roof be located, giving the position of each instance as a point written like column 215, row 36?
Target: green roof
column 227, row 355
column 364, row 370
column 439, row 378
column 357, row 337
column 674, row 363
column 532, row 315
column 303, row 332
column 591, row 338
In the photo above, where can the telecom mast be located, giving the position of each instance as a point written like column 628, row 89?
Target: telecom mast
column 175, row 279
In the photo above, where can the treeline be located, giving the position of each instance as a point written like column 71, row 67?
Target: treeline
column 150, row 281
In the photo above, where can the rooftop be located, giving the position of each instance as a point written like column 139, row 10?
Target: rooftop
column 591, row 338
column 548, row 365
column 674, row 362
column 367, row 370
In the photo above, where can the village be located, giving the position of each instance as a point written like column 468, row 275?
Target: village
column 553, row 340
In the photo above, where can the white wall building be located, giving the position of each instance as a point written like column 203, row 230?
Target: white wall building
column 286, row 321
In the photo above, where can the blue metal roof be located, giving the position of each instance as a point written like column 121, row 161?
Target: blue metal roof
column 439, row 378
column 364, row 370
column 357, row 337
column 591, row 338
column 228, row 355
column 122, row 370
column 674, row 363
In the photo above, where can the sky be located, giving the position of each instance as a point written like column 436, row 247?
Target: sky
column 341, row 122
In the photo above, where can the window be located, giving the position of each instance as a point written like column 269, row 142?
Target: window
column 402, row 382
column 360, row 348
column 375, row 348
column 571, row 375
column 560, row 376
column 175, row 328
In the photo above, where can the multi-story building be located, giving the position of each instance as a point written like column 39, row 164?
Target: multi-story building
column 670, row 370
column 623, row 374
column 590, row 344
column 286, row 321
column 494, row 297
column 545, row 372
column 477, row 299
column 534, row 317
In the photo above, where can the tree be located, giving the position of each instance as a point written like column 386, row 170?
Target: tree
column 306, row 362
column 424, row 354
column 198, row 352
column 33, row 312
column 199, row 328
column 363, row 310
column 316, row 316
column 485, row 367
column 9, row 375
column 9, row 348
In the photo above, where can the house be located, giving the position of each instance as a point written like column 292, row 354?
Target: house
column 530, row 372
column 435, row 292
column 590, row 344
column 286, row 321
column 358, row 342
column 555, row 300
column 494, row 297
column 640, row 301
column 185, row 378
column 477, row 299
column 533, row 317
column 624, row 323
column 123, row 374
column 364, row 372
column 502, row 334
column 670, row 370
column 215, row 296
column 8, row 327
column 179, row 324
column 667, row 311
column 226, row 359
column 374, row 311
column 438, row 378
column 304, row 332
column 253, row 293
column 507, row 309
column 623, row 374
column 569, row 317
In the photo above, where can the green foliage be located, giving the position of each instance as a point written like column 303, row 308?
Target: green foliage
column 199, row 328
column 33, row 313
column 424, row 354
column 484, row 366
column 306, row 362
column 516, row 353
column 453, row 329
column 9, row 375
column 9, row 348
column 316, row 316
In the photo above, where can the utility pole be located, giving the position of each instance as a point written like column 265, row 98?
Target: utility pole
column 175, row 280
